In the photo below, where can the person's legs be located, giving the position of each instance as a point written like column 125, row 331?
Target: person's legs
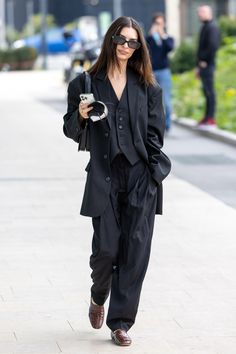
column 105, row 244
column 163, row 77
column 207, row 77
column 105, row 247
column 137, row 220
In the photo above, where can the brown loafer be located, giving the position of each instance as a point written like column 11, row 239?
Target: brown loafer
column 96, row 315
column 120, row 337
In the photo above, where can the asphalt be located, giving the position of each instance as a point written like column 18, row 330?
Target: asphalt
column 206, row 162
column 188, row 302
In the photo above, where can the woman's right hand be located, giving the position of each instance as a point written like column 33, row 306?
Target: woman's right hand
column 84, row 109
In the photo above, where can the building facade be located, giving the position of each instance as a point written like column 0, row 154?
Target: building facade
column 67, row 11
column 182, row 20
column 181, row 15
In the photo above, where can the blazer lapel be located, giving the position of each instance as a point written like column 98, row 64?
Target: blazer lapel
column 132, row 85
column 100, row 90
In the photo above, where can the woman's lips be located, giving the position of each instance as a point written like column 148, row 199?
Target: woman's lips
column 123, row 52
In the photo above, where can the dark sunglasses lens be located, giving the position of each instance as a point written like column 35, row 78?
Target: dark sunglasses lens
column 134, row 44
column 121, row 40
column 118, row 40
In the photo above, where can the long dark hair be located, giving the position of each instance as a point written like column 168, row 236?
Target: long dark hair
column 140, row 61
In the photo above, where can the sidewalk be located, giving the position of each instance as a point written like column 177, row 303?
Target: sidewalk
column 210, row 132
column 188, row 302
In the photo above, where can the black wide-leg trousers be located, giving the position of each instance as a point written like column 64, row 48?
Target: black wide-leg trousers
column 207, row 77
column 122, row 241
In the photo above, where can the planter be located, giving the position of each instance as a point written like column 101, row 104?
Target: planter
column 26, row 65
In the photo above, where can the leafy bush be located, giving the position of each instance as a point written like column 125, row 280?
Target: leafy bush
column 35, row 22
column 11, row 34
column 20, row 58
column 227, row 26
column 184, row 58
column 189, row 101
column 8, row 56
column 25, row 54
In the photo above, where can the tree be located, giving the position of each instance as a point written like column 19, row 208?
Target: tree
column 35, row 23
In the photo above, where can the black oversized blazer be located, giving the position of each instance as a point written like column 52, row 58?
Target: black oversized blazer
column 147, row 124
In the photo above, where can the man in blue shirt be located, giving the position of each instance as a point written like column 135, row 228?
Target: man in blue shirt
column 160, row 44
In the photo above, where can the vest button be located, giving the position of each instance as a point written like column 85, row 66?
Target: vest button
column 120, row 126
column 120, row 118
column 106, row 134
column 105, row 156
column 108, row 179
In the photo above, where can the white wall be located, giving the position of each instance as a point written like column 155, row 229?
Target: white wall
column 173, row 19
column 232, row 7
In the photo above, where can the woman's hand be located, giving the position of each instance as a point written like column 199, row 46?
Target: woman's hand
column 153, row 29
column 84, row 109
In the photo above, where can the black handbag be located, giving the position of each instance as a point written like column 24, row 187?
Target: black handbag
column 84, row 140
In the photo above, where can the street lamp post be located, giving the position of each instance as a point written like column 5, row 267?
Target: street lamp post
column 10, row 14
column 117, row 8
column 2, row 24
column 30, row 13
column 43, row 11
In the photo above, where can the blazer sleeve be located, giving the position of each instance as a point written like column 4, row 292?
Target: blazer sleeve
column 159, row 163
column 73, row 122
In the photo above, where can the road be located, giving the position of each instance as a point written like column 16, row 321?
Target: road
column 208, row 164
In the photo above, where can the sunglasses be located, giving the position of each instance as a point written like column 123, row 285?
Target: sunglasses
column 133, row 44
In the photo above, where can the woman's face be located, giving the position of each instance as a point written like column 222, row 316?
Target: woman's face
column 123, row 52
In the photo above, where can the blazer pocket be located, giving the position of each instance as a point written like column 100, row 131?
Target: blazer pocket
column 87, row 168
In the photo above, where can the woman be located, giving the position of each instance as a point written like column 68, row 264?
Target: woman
column 124, row 182
column 160, row 45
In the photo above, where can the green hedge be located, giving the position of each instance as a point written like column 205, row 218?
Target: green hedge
column 227, row 26
column 18, row 59
column 189, row 101
column 184, row 57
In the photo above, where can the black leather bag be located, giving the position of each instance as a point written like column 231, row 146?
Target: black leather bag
column 84, row 141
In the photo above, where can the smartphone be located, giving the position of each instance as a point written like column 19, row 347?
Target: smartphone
column 87, row 98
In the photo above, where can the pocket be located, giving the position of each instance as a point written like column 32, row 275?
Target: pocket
column 152, row 182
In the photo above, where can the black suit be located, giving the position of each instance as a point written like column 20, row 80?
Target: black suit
column 209, row 41
column 121, row 193
column 148, row 126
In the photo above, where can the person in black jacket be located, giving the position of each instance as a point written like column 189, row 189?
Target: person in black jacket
column 124, row 175
column 160, row 44
column 209, row 41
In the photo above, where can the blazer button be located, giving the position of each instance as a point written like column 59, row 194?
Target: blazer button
column 106, row 134
column 105, row 156
column 120, row 118
column 120, row 126
column 108, row 179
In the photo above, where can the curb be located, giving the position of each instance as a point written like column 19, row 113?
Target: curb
column 212, row 132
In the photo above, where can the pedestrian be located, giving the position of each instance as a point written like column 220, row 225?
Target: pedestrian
column 209, row 41
column 160, row 45
column 124, row 175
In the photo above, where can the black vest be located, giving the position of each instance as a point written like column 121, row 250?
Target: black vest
column 121, row 134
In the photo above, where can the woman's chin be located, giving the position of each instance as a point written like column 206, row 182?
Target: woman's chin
column 121, row 57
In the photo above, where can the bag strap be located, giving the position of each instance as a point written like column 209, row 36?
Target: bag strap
column 87, row 82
